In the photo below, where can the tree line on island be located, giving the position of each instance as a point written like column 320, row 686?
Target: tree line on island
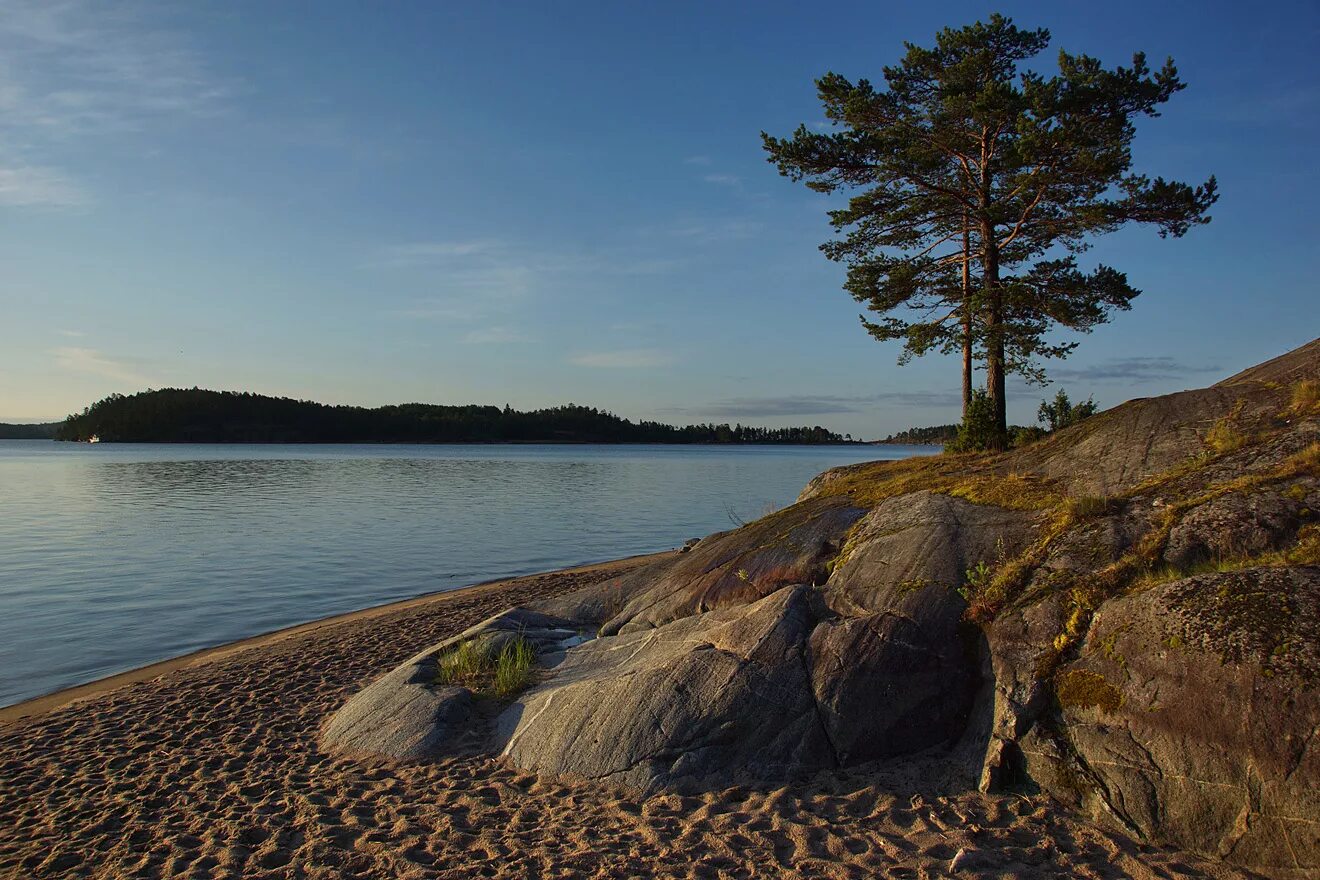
column 177, row 415
column 35, row 431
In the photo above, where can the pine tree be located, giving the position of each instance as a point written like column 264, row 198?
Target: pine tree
column 963, row 156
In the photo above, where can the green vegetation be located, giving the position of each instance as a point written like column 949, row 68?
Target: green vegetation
column 969, row 161
column 1224, row 437
column 935, row 435
column 174, row 415
column 44, row 431
column 971, row 476
column 475, row 666
column 1061, row 412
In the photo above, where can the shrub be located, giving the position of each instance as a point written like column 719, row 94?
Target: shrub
column 1060, row 413
column 978, row 430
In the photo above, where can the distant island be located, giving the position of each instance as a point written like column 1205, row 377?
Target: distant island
column 41, row 431
column 935, row 435
column 177, row 415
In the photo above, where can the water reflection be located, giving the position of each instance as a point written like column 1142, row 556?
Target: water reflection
column 114, row 557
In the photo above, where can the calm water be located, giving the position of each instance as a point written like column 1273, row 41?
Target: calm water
column 117, row 555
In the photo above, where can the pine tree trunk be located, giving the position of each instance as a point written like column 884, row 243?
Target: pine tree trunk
column 967, row 318
column 994, row 335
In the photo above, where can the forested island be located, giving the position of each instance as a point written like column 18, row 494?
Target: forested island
column 176, row 415
column 935, row 435
column 40, row 431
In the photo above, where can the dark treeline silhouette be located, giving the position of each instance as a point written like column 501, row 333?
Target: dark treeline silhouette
column 43, row 431
column 174, row 415
column 935, row 435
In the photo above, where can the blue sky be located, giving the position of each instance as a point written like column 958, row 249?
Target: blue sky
column 534, row 203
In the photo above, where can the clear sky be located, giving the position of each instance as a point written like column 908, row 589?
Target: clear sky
column 536, row 203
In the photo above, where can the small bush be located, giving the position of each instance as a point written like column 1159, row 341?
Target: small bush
column 1025, row 436
column 978, row 430
column 1061, row 413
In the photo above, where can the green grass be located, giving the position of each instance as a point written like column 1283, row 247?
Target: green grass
column 475, row 666
column 513, row 668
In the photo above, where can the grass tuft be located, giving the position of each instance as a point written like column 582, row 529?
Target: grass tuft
column 1223, row 437
column 513, row 667
column 473, row 665
column 1305, row 397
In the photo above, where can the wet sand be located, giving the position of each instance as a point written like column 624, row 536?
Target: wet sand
column 207, row 766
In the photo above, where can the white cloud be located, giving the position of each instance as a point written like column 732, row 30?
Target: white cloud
column 93, row 362
column 29, row 186
column 71, row 333
column 73, row 70
column 723, row 179
column 697, row 160
column 630, row 358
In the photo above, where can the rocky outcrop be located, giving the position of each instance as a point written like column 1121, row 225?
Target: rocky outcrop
column 1192, row 715
column 1125, row 615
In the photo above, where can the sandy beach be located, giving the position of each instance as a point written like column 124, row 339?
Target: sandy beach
column 208, row 767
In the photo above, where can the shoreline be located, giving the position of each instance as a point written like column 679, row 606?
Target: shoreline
column 99, row 687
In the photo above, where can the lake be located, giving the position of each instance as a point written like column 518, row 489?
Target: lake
column 113, row 556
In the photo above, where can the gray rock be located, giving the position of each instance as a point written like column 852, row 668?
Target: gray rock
column 717, row 696
column 1194, row 717
column 909, row 555
column 402, row 715
column 735, row 568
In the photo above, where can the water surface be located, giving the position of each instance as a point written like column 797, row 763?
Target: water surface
column 117, row 555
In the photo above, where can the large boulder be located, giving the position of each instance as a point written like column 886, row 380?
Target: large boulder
column 793, row 546
column 408, row 715
column 1192, row 716
column 713, row 697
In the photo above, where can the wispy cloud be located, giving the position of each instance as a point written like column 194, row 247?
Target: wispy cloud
column 93, row 362
column 821, row 404
column 482, row 278
column 27, row 186
column 723, row 179
column 1133, row 369
column 697, row 160
column 75, row 70
column 630, row 358
column 75, row 334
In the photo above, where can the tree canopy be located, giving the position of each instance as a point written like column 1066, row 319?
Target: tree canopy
column 967, row 157
column 179, row 415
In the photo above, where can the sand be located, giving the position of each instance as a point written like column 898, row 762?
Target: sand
column 209, row 767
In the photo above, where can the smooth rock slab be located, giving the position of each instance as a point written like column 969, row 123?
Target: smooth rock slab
column 720, row 696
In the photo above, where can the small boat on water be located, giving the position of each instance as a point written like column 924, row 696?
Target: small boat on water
column 95, row 438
